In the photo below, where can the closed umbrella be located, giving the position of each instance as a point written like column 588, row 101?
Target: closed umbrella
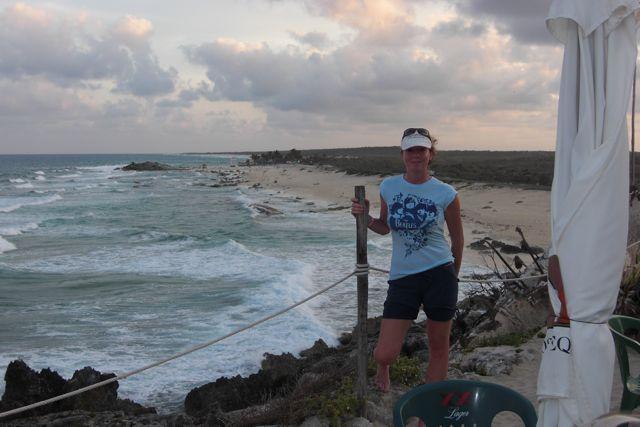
column 589, row 204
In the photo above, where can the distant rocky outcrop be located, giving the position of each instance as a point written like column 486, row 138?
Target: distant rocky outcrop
column 147, row 166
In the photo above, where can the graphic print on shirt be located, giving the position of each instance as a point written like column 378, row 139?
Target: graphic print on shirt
column 412, row 217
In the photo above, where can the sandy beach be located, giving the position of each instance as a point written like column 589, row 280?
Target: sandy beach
column 487, row 210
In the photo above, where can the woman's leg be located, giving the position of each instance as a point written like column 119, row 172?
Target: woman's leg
column 392, row 332
column 438, row 334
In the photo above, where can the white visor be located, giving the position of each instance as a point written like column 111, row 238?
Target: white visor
column 415, row 140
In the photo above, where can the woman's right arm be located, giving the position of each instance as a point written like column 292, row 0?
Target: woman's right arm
column 377, row 225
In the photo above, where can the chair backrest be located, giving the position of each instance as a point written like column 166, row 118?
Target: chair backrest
column 461, row 402
column 620, row 326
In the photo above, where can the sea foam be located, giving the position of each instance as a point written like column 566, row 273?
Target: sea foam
column 9, row 204
column 6, row 246
column 14, row 230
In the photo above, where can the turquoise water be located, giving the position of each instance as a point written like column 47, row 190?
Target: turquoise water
column 115, row 270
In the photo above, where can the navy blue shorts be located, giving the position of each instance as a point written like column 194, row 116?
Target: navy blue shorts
column 435, row 289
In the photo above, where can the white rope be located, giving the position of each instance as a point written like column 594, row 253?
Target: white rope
column 633, row 244
column 168, row 359
column 472, row 280
column 517, row 279
column 361, row 270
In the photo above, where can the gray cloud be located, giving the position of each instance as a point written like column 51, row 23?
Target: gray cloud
column 344, row 84
column 459, row 27
column 33, row 43
column 314, row 39
column 360, row 83
column 523, row 19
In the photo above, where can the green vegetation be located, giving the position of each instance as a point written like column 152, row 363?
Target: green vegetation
column 336, row 404
column 629, row 295
column 526, row 168
column 405, row 370
column 276, row 157
column 514, row 339
column 529, row 168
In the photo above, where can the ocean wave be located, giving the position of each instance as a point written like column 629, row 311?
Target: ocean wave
column 101, row 169
column 6, row 246
column 16, row 180
column 385, row 244
column 26, row 185
column 40, row 178
column 14, row 230
column 246, row 202
column 179, row 258
column 156, row 236
column 73, row 175
column 10, row 204
column 39, row 172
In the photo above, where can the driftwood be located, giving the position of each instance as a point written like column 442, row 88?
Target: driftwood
column 515, row 273
column 525, row 245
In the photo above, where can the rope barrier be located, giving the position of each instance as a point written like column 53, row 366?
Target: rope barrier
column 361, row 269
column 472, row 280
column 168, row 359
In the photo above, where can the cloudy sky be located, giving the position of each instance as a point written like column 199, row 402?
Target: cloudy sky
column 99, row 76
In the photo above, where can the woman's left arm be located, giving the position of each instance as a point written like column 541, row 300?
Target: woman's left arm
column 454, row 224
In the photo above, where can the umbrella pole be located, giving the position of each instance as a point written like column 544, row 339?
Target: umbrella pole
column 632, row 166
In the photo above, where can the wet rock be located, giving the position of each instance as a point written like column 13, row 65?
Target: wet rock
column 264, row 209
column 510, row 249
column 230, row 394
column 478, row 245
column 319, row 349
column 147, row 166
column 282, row 368
column 25, row 386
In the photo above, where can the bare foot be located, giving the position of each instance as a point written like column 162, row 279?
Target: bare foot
column 382, row 378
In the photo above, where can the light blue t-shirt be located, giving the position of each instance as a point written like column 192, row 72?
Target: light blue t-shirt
column 416, row 218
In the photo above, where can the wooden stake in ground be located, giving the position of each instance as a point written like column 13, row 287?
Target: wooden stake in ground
column 363, row 291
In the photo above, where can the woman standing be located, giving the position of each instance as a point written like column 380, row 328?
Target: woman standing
column 414, row 207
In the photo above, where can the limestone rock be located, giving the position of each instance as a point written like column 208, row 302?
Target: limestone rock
column 491, row 361
column 147, row 166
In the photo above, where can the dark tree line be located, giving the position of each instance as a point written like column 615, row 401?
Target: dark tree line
column 276, row 157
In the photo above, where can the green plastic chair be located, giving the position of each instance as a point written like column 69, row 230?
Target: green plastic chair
column 620, row 325
column 461, row 403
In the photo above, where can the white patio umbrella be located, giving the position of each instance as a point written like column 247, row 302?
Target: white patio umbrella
column 589, row 203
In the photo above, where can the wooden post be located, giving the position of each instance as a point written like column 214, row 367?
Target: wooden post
column 363, row 290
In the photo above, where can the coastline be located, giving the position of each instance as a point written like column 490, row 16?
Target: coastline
column 488, row 210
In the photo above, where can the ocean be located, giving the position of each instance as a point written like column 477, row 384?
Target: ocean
column 115, row 270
